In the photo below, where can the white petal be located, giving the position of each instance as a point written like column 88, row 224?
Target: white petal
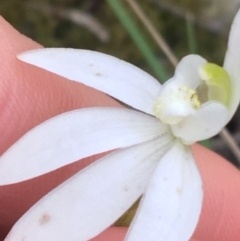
column 205, row 123
column 232, row 63
column 171, row 206
column 74, row 135
column 113, row 76
column 187, row 71
column 93, row 199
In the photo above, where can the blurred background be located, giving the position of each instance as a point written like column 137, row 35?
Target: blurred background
column 114, row 27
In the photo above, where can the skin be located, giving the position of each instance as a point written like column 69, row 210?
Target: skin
column 28, row 96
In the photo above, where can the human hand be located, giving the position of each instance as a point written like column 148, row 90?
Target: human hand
column 29, row 96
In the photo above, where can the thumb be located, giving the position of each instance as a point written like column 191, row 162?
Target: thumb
column 115, row 234
column 28, row 96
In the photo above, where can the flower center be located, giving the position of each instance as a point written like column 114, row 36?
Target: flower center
column 176, row 102
column 191, row 96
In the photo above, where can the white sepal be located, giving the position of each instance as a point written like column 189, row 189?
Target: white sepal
column 108, row 74
column 232, row 64
column 187, row 71
column 72, row 136
column 171, row 206
column 93, row 199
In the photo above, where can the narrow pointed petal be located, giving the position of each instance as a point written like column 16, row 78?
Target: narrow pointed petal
column 72, row 136
column 171, row 206
column 205, row 123
column 93, row 199
column 232, row 63
column 108, row 74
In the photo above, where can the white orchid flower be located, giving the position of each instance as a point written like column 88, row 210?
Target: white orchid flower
column 151, row 157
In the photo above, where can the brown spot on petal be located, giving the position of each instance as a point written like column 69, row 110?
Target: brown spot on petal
column 179, row 190
column 98, row 74
column 45, row 218
column 125, row 189
column 165, row 178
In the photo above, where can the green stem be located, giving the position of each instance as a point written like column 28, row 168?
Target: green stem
column 139, row 39
column 191, row 36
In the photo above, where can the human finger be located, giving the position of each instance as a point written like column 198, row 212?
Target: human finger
column 28, row 96
column 220, row 216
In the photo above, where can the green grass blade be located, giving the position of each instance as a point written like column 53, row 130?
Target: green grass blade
column 191, row 35
column 139, row 39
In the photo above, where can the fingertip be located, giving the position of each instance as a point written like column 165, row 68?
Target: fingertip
column 12, row 41
column 115, row 234
column 29, row 95
column 111, row 234
column 220, row 216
